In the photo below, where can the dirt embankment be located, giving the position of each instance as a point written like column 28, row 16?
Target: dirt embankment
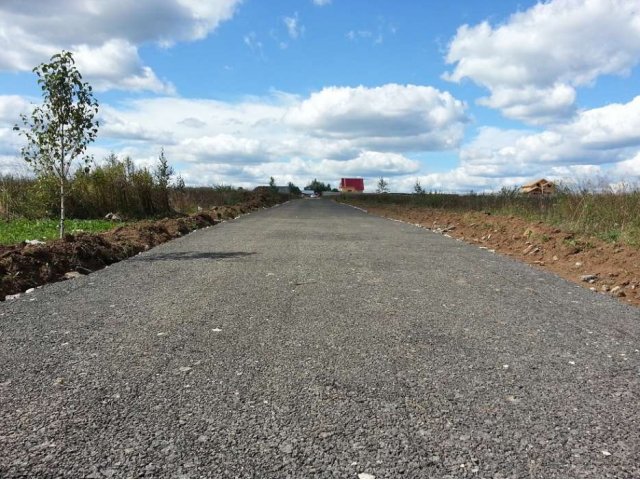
column 26, row 266
column 606, row 268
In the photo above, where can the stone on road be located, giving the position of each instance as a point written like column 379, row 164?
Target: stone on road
column 313, row 340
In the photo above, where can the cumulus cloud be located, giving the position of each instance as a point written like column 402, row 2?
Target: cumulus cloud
column 533, row 62
column 116, row 64
column 462, row 180
column 597, row 136
column 419, row 116
column 300, row 171
column 104, row 35
column 369, row 164
column 405, row 119
column 222, row 149
column 294, row 139
column 602, row 141
column 241, row 142
column 9, row 142
column 454, row 181
column 11, row 106
column 628, row 169
column 192, row 122
column 116, row 126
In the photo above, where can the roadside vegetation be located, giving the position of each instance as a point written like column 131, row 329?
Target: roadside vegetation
column 65, row 183
column 29, row 206
column 58, row 131
column 602, row 212
column 22, row 229
column 116, row 185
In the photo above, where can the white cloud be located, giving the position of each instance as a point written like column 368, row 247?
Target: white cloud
column 116, row 65
column 454, row 181
column 122, row 127
column 533, row 104
column 104, row 35
column 597, row 136
column 354, row 34
column 9, row 142
column 11, row 106
column 383, row 28
column 352, row 132
column 294, row 29
column 461, row 180
column 222, row 149
column 255, row 45
column 239, row 143
column 420, row 117
column 321, row 3
column 366, row 164
column 628, row 169
column 192, row 122
column 72, row 22
column 602, row 141
column 370, row 165
column 533, row 62
column 298, row 144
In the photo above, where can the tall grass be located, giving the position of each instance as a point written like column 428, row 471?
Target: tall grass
column 22, row 196
column 603, row 212
column 188, row 199
column 115, row 186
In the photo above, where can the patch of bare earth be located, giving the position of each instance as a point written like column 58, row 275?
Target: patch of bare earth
column 606, row 268
column 26, row 266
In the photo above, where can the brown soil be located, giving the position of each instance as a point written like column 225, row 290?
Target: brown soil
column 615, row 267
column 26, row 266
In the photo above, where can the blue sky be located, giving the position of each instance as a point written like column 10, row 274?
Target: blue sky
column 460, row 95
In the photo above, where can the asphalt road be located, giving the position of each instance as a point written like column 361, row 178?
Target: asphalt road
column 311, row 340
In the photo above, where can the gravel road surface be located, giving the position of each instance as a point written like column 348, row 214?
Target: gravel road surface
column 314, row 340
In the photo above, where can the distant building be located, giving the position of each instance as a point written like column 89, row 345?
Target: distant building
column 539, row 187
column 307, row 193
column 352, row 185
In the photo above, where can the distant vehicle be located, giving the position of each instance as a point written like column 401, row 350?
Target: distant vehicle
column 313, row 195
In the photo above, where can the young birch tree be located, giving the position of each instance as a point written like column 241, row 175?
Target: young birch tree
column 382, row 186
column 59, row 130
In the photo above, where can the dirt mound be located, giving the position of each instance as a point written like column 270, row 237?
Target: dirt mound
column 25, row 266
column 607, row 268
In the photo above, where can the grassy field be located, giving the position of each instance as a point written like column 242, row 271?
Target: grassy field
column 19, row 230
column 610, row 216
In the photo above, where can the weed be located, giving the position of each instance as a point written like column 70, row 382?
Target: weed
column 600, row 212
column 19, row 230
column 612, row 236
column 116, row 185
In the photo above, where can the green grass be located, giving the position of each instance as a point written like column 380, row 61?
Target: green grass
column 19, row 230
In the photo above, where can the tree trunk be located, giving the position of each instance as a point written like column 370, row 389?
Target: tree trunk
column 63, row 176
column 61, row 207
